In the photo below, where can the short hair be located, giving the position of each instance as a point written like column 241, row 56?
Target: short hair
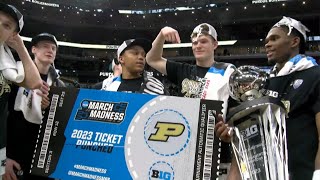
column 296, row 33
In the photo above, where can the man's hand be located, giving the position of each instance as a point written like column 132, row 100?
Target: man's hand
column 223, row 131
column 15, row 42
column 11, row 165
column 44, row 94
column 170, row 34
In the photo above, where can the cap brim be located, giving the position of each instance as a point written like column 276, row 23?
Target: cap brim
column 37, row 39
column 8, row 10
column 144, row 43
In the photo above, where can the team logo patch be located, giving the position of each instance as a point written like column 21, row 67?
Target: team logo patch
column 297, row 83
column 161, row 170
column 112, row 112
column 167, row 132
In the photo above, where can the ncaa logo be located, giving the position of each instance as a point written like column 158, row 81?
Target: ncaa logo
column 84, row 104
column 161, row 170
column 167, row 132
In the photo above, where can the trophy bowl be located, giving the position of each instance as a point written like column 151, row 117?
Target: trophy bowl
column 246, row 83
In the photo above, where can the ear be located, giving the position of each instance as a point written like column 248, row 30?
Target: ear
column 295, row 41
column 33, row 49
column 121, row 60
column 215, row 44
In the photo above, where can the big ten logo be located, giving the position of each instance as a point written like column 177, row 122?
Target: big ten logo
column 167, row 132
column 250, row 131
column 161, row 170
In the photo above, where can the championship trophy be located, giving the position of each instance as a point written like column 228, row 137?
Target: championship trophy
column 259, row 130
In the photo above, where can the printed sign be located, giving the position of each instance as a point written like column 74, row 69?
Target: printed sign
column 92, row 134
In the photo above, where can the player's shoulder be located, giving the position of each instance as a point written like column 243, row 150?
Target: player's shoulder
column 223, row 65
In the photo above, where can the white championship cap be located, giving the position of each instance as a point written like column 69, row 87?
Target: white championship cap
column 292, row 23
column 204, row 27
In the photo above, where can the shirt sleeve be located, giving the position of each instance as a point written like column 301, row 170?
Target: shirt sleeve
column 172, row 68
column 177, row 72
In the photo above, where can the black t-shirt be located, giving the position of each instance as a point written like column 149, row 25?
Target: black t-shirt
column 130, row 85
column 4, row 95
column 177, row 72
column 302, row 91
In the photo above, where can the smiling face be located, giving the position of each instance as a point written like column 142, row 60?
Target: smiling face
column 279, row 46
column 203, row 47
column 45, row 52
column 133, row 60
column 8, row 26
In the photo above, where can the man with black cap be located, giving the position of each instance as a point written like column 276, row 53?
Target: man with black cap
column 295, row 81
column 23, row 73
column 132, row 57
column 24, row 119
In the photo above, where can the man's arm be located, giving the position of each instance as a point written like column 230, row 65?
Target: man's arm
column 234, row 173
column 32, row 79
column 154, row 57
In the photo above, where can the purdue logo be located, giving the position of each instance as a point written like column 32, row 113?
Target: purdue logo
column 167, row 132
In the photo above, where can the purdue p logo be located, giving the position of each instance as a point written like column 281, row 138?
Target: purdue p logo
column 166, row 130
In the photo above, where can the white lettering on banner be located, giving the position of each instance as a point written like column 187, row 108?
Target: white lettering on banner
column 90, row 168
column 43, row 3
column 106, row 74
column 96, row 138
column 266, row 1
column 87, row 176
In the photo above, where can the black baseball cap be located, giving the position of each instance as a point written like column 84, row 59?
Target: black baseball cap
column 13, row 12
column 44, row 37
column 144, row 43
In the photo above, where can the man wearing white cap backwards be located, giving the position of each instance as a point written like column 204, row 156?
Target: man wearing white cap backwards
column 295, row 80
column 207, row 79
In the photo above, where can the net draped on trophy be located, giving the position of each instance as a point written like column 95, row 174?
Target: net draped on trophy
column 259, row 131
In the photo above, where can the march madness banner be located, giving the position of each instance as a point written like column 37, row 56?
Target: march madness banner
column 92, row 134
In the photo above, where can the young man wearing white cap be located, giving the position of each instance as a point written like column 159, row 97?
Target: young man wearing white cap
column 207, row 79
column 23, row 73
column 295, row 80
column 25, row 110
column 132, row 58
